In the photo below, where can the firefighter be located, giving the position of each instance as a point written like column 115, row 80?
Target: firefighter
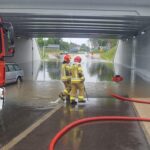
column 66, row 78
column 77, row 81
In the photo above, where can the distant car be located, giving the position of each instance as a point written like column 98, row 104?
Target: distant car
column 13, row 73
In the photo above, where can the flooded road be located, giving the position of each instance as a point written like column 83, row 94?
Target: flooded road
column 94, row 70
column 25, row 103
column 105, row 135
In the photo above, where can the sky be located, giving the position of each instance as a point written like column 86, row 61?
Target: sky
column 78, row 41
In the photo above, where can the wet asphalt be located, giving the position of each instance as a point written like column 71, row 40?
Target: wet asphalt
column 28, row 102
column 97, row 136
column 24, row 104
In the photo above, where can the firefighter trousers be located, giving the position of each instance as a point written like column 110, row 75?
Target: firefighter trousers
column 77, row 88
column 67, row 87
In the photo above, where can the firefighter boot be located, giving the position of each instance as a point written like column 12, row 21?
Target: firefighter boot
column 72, row 100
column 81, row 99
column 68, row 99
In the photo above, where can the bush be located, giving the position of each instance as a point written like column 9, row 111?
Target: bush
column 109, row 54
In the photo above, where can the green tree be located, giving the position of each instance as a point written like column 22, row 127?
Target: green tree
column 40, row 42
column 94, row 43
column 102, row 42
column 72, row 45
column 84, row 48
column 64, row 45
column 53, row 41
column 98, row 42
column 113, row 42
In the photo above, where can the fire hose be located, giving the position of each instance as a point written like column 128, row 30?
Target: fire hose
column 129, row 99
column 118, row 78
column 99, row 118
column 91, row 119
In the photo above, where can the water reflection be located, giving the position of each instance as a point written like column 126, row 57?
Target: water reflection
column 93, row 71
column 101, row 71
column 140, row 87
column 74, row 137
column 1, row 97
column 135, row 82
column 49, row 71
column 1, row 104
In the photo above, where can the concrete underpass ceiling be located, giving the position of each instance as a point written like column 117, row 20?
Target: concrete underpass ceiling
column 68, row 18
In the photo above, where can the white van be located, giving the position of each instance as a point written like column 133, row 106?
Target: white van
column 13, row 73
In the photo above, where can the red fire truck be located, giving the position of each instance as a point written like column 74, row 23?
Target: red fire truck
column 6, row 50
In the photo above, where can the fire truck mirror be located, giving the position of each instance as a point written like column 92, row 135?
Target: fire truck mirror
column 8, row 28
column 10, row 43
column 11, row 36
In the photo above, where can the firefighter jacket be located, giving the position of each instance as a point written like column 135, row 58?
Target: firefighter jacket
column 77, row 73
column 65, row 72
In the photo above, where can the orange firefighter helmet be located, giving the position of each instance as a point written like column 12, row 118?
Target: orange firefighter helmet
column 77, row 59
column 67, row 58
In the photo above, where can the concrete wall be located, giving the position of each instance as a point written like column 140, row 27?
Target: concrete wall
column 36, row 60
column 123, row 61
column 27, row 56
column 124, row 53
column 132, row 61
column 134, row 53
column 142, row 55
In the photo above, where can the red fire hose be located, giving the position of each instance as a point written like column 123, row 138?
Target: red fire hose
column 118, row 78
column 129, row 99
column 100, row 118
column 91, row 119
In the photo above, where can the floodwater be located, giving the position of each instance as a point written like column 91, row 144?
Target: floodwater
column 135, row 84
column 94, row 70
column 26, row 102
column 98, row 75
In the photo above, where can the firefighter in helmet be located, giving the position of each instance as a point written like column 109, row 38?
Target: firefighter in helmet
column 77, row 81
column 66, row 78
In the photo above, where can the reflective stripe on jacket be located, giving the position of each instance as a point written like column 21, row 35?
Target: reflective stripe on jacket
column 65, row 72
column 76, row 73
